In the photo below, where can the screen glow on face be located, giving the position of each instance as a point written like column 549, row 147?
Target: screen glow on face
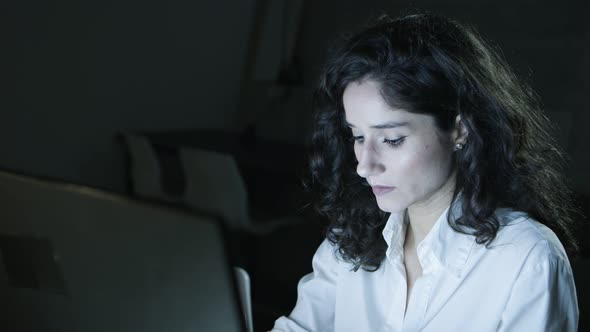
column 395, row 148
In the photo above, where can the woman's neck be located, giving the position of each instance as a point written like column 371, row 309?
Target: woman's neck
column 423, row 215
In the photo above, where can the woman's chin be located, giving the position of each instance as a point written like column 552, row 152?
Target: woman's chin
column 390, row 208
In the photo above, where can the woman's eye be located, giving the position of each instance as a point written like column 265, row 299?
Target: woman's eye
column 358, row 139
column 394, row 142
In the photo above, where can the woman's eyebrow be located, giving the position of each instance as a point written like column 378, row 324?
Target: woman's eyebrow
column 388, row 125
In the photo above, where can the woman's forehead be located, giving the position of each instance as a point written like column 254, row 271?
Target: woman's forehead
column 363, row 102
column 386, row 118
column 365, row 108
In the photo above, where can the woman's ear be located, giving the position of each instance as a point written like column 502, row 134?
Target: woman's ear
column 460, row 131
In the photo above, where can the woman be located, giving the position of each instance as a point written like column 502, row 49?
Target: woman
column 442, row 182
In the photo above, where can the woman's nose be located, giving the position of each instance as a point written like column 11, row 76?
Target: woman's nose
column 368, row 161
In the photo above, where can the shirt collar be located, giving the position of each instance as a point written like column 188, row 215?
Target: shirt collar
column 448, row 247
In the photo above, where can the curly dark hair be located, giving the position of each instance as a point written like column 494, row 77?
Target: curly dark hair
column 430, row 64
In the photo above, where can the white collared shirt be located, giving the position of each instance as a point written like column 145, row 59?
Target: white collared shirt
column 521, row 282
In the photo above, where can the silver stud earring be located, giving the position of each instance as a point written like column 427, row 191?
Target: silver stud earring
column 458, row 146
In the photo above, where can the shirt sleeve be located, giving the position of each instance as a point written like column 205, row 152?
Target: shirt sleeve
column 543, row 297
column 316, row 295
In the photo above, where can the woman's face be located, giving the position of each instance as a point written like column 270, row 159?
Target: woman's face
column 403, row 156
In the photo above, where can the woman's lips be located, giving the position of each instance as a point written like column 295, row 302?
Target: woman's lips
column 381, row 190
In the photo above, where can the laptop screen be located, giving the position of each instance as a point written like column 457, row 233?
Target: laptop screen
column 79, row 259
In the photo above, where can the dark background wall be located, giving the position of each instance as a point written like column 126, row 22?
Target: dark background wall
column 76, row 73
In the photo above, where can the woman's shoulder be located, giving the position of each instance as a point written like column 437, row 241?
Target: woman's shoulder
column 524, row 235
column 327, row 253
column 329, row 256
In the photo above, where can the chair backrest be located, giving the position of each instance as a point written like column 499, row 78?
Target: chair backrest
column 144, row 168
column 214, row 184
column 212, row 180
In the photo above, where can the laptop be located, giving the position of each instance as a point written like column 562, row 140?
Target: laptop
column 78, row 259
